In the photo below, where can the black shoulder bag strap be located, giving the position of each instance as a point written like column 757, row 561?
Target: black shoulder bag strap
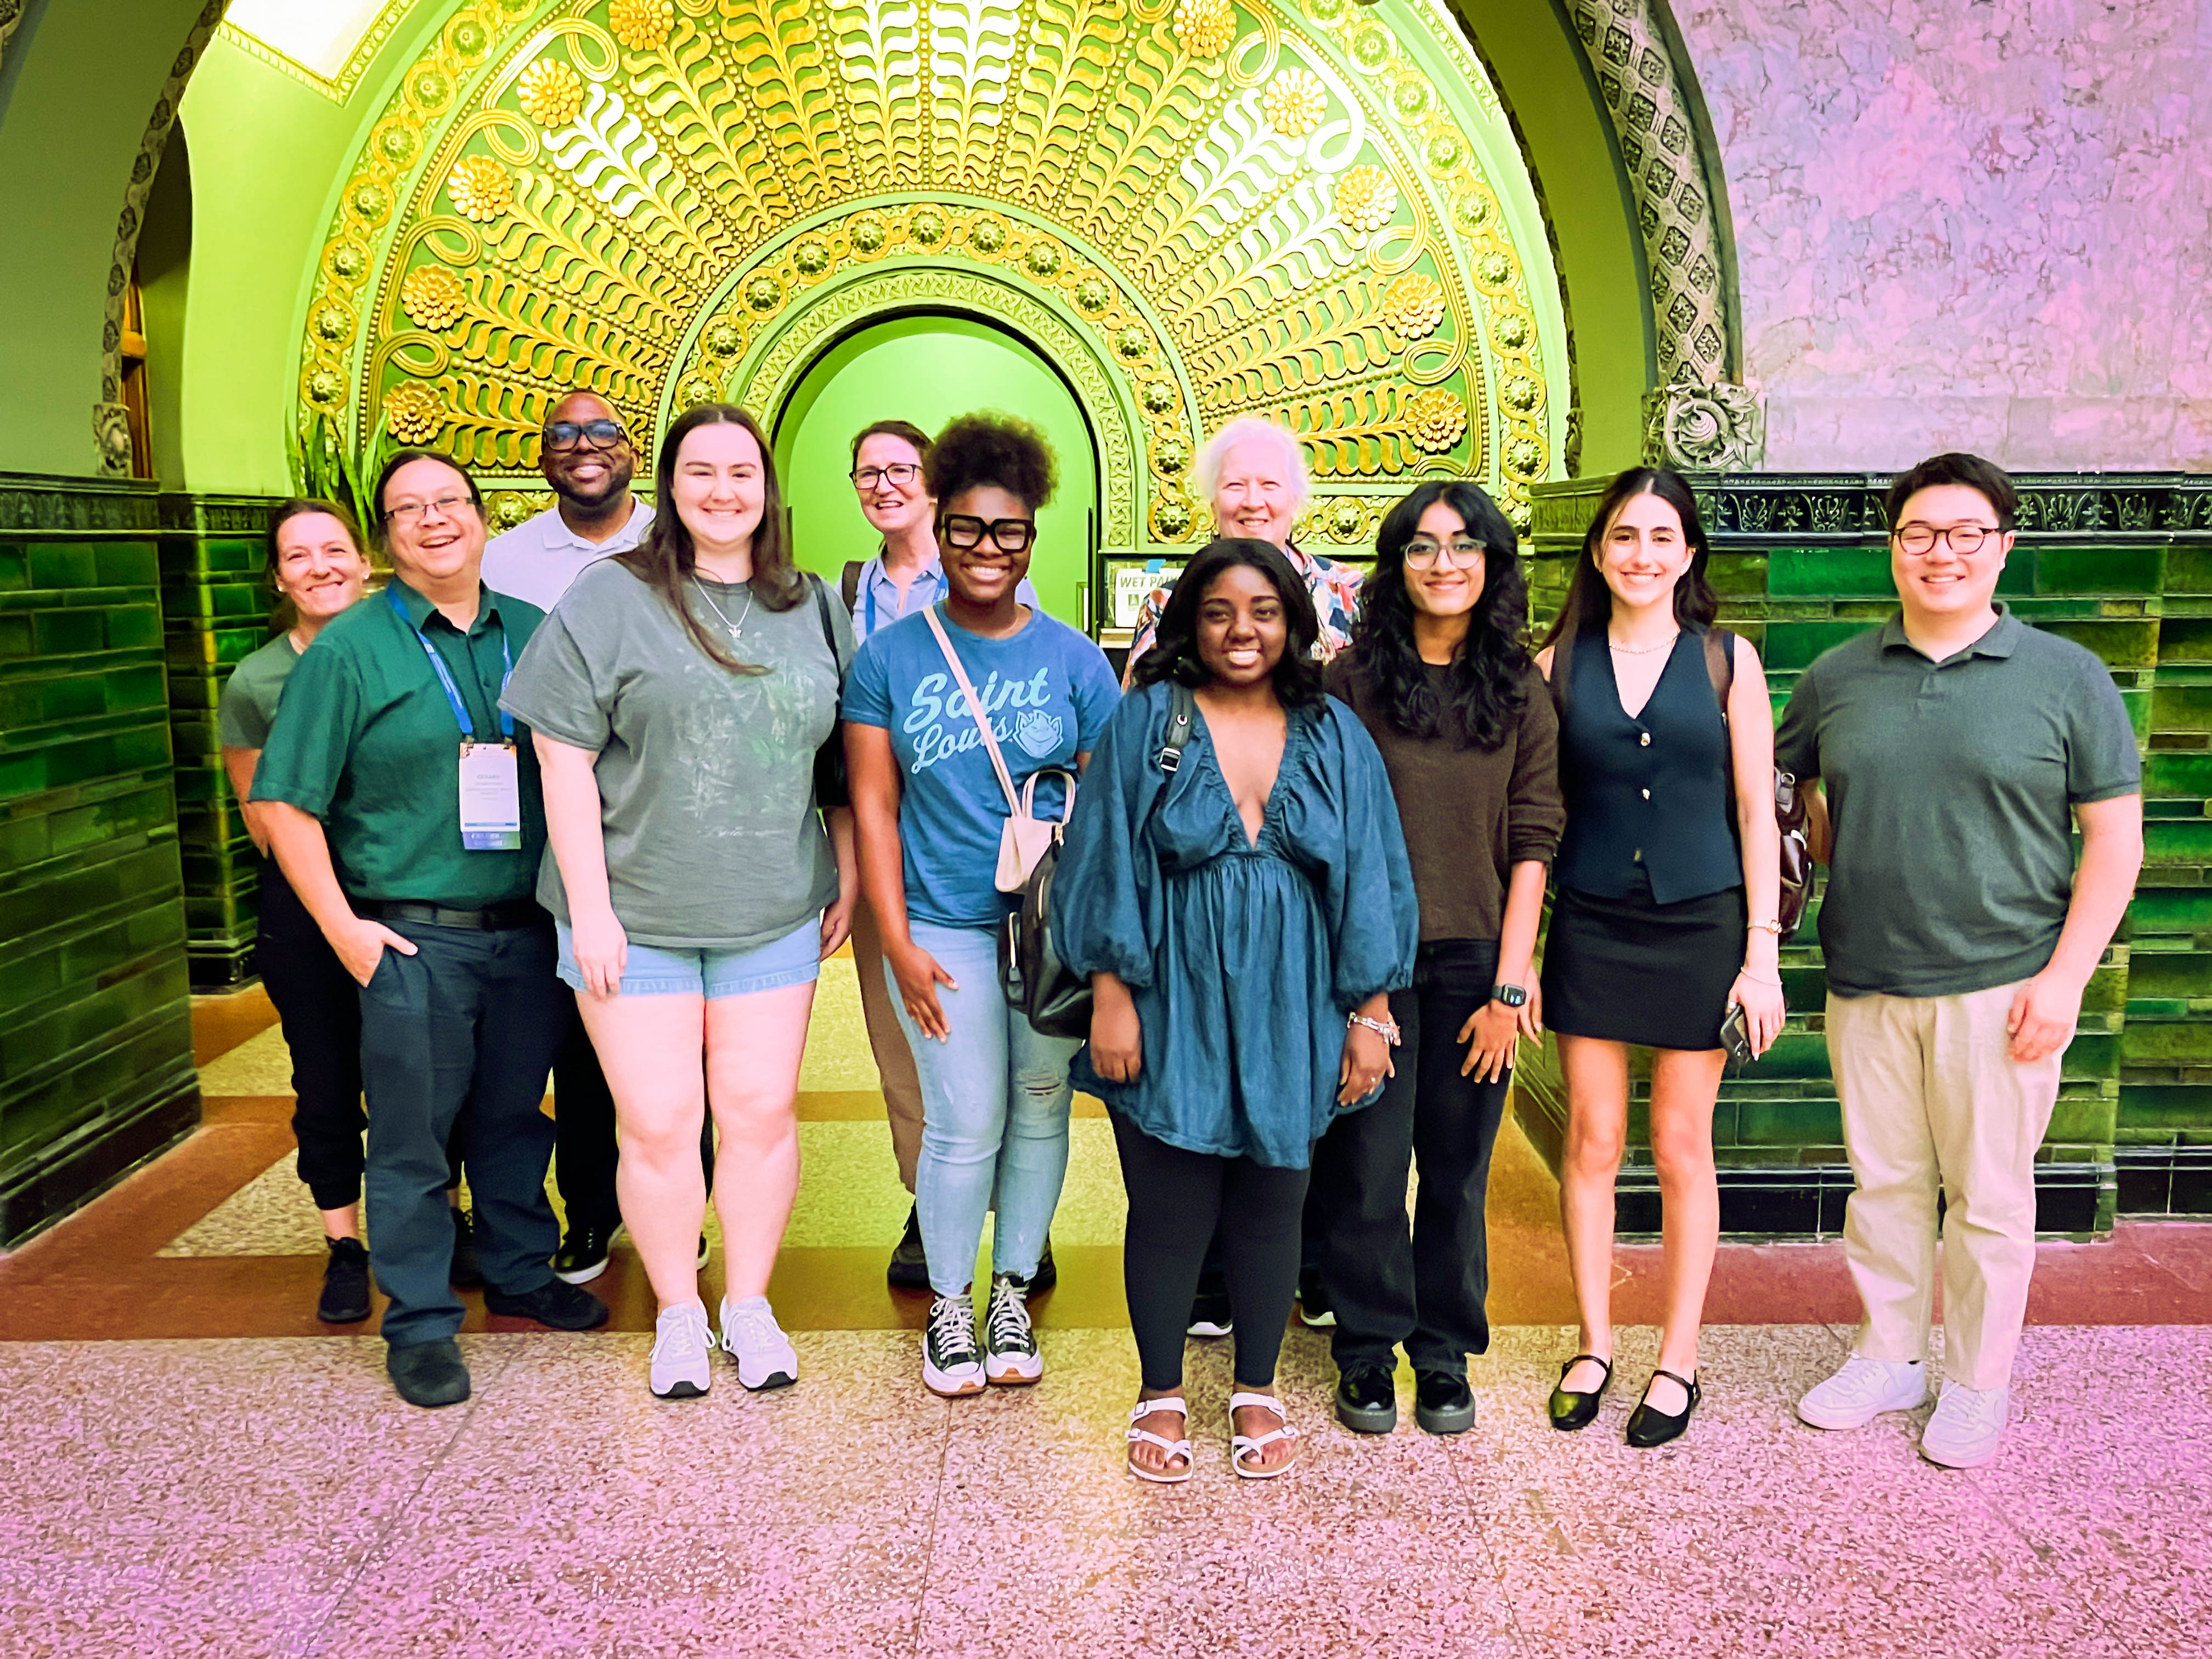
column 849, row 583
column 1182, row 711
column 1720, row 669
column 831, row 787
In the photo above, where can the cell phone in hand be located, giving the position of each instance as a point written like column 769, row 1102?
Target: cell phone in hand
column 1735, row 1036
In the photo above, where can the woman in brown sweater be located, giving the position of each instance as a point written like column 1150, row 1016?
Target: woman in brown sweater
column 1439, row 675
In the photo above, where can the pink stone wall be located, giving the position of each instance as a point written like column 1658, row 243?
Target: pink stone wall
column 1981, row 224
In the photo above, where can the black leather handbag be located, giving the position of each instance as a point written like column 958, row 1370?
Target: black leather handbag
column 1054, row 998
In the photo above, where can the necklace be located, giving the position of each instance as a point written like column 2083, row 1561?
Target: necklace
column 734, row 628
column 1643, row 650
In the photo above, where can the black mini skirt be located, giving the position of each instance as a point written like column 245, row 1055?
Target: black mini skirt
column 1633, row 970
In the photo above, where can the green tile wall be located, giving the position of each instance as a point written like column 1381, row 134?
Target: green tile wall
column 95, row 1049
column 2121, row 564
column 216, row 610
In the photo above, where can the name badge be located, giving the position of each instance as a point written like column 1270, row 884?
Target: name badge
column 491, row 799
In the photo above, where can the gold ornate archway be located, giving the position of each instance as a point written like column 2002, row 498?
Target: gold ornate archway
column 1309, row 210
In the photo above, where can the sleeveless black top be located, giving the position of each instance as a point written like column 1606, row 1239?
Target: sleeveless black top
column 1651, row 792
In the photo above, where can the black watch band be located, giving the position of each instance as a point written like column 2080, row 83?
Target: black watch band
column 1513, row 996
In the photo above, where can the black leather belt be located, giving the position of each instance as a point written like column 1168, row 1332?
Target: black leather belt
column 492, row 919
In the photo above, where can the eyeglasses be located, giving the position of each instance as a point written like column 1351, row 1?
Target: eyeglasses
column 1422, row 554
column 413, row 512
column 600, row 435
column 1918, row 540
column 963, row 530
column 899, row 472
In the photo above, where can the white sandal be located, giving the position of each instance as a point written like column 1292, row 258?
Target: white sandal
column 1242, row 1446
column 1143, row 1409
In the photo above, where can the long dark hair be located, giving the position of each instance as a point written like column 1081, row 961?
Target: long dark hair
column 1589, row 603
column 1485, row 682
column 665, row 558
column 1174, row 654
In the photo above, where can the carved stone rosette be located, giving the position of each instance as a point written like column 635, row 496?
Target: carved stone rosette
column 1703, row 428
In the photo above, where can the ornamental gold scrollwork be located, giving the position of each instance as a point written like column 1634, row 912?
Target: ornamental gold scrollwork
column 1216, row 208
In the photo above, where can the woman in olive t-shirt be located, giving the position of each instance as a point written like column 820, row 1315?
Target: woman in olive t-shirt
column 677, row 695
column 317, row 568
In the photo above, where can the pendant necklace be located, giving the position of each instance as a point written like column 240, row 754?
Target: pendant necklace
column 734, row 628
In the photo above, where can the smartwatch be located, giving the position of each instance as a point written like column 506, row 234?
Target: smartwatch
column 1511, row 995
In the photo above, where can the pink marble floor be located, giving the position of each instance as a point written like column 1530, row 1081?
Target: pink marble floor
column 269, row 1497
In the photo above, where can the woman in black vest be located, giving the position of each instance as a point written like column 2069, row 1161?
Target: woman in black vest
column 1663, row 917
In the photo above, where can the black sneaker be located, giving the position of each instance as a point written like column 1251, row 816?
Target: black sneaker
column 564, row 1307
column 428, row 1374
column 582, row 1256
column 1210, row 1314
column 1367, row 1400
column 467, row 1272
column 1313, row 1309
column 345, row 1283
column 1047, row 1275
column 1443, row 1403
column 909, row 1268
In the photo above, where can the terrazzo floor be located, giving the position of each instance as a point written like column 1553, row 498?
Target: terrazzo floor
column 197, row 1467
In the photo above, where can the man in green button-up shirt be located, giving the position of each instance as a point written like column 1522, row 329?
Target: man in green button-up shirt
column 461, row 1012
column 1957, row 749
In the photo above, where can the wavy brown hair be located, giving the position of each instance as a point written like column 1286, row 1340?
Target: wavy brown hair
column 665, row 559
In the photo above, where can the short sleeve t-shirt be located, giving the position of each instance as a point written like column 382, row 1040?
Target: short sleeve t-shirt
column 706, row 776
column 248, row 706
column 1047, row 692
column 1951, row 787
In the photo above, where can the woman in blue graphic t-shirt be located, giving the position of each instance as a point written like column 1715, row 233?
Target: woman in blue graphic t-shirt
column 931, row 811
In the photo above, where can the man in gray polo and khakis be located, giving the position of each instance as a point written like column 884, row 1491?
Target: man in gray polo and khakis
column 1957, row 747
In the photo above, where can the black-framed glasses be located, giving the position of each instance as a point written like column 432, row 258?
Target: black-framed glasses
column 410, row 513
column 964, row 531
column 899, row 472
column 600, row 435
column 1919, row 539
column 1422, row 553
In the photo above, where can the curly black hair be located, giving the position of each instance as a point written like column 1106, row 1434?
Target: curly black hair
column 990, row 449
column 1487, row 683
column 1174, row 654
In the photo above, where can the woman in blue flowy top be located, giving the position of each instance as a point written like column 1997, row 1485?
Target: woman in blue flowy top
column 1242, row 909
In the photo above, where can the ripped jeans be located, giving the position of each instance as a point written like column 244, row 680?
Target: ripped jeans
column 995, row 1099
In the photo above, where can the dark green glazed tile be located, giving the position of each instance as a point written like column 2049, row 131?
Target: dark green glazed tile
column 1831, row 572
column 229, row 554
column 2148, row 1042
column 67, row 633
column 2189, row 569
column 2170, row 973
column 14, row 568
column 65, row 564
column 127, row 563
column 2083, row 1120
column 1737, row 576
column 2166, row 1107
column 2179, row 774
column 2182, row 708
column 2098, row 569
column 1795, row 644
column 2119, row 644
column 1787, row 1122
column 2093, row 1055
column 134, row 628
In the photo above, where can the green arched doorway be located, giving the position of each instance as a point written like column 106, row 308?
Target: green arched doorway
column 926, row 369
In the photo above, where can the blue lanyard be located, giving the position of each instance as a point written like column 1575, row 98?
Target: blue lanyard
column 445, row 678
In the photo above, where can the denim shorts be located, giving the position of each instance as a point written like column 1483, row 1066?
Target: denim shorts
column 650, row 970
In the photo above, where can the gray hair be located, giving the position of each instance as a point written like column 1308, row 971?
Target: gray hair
column 1250, row 428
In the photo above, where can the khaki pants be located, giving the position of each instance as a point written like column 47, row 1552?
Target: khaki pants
column 894, row 1059
column 1932, row 1097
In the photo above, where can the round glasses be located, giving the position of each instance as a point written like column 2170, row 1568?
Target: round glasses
column 1422, row 554
column 1919, row 539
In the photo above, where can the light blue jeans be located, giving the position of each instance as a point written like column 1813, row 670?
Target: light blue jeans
column 995, row 1098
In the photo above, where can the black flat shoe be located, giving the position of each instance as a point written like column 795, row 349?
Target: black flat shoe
column 909, row 1268
column 1571, row 1410
column 1443, row 1403
column 1048, row 1273
column 1367, row 1400
column 1647, row 1428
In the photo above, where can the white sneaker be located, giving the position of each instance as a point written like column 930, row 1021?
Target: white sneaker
column 1011, row 1358
column 1862, row 1390
column 952, row 1364
column 680, row 1344
column 752, row 1336
column 1967, row 1426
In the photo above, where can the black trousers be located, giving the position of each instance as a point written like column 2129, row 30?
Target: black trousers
column 1176, row 1199
column 465, row 1030
column 584, row 1148
column 1428, row 1290
column 320, row 1007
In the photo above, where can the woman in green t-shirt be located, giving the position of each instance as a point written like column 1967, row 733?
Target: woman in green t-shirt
column 317, row 568
column 678, row 695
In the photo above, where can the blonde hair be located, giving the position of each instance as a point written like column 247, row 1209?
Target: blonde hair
column 1245, row 430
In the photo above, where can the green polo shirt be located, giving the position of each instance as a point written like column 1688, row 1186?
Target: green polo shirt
column 366, row 740
column 1951, row 787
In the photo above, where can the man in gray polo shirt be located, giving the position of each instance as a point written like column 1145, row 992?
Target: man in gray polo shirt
column 1957, row 748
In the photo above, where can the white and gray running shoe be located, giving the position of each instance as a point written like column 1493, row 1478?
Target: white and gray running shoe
column 751, row 1335
column 952, row 1364
column 681, row 1342
column 1010, row 1358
